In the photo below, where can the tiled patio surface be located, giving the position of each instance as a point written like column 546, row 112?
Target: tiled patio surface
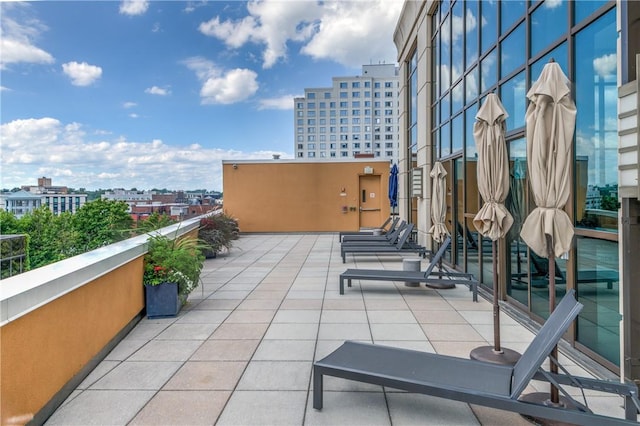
column 241, row 352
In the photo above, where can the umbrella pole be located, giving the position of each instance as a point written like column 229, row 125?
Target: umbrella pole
column 553, row 368
column 496, row 306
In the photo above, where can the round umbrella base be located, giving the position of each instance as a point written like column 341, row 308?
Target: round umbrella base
column 489, row 354
column 543, row 398
column 440, row 286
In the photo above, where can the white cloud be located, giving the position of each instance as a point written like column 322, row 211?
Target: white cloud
column 134, row 7
column 220, row 86
column 46, row 147
column 128, row 105
column 17, row 40
column 82, row 74
column 234, row 86
column 282, row 102
column 155, row 90
column 605, row 65
column 327, row 30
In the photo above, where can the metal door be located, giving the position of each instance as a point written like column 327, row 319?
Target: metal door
column 370, row 197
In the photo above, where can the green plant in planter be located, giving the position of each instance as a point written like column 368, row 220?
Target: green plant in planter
column 178, row 261
column 217, row 232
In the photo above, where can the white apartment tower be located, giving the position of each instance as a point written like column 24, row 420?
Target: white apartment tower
column 357, row 117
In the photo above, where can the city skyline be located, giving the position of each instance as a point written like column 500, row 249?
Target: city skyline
column 154, row 94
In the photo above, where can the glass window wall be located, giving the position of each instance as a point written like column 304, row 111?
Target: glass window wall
column 548, row 23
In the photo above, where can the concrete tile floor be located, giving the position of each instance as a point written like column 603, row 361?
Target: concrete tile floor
column 241, row 352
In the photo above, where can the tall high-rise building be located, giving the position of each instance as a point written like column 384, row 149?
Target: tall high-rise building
column 356, row 117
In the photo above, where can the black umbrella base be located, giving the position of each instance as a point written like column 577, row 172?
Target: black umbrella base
column 544, row 398
column 440, row 286
column 489, row 354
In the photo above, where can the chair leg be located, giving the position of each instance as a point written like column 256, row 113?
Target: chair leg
column 341, row 284
column 317, row 388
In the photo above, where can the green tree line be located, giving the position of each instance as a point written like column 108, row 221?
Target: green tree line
column 51, row 238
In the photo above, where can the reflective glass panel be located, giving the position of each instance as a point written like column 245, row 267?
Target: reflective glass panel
column 470, row 143
column 457, row 39
column 457, row 97
column 436, row 67
column 584, row 8
column 488, row 24
column 598, row 290
column 559, row 54
column 445, row 111
column 548, row 22
column 445, row 140
column 518, row 283
column 471, row 34
column 596, row 168
column 513, row 95
column 471, row 85
column 445, row 56
column 457, row 133
column 489, row 71
column 512, row 52
column 511, row 11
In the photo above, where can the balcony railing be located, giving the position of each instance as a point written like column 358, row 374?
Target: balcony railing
column 59, row 321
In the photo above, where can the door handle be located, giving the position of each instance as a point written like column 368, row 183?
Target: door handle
column 369, row 210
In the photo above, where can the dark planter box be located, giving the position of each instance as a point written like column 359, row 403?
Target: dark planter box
column 162, row 300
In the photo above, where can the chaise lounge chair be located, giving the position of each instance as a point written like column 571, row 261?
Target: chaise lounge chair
column 390, row 237
column 428, row 276
column 476, row 382
column 383, row 227
column 401, row 247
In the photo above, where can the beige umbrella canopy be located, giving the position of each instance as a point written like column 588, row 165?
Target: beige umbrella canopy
column 548, row 231
column 439, row 229
column 550, row 121
column 493, row 220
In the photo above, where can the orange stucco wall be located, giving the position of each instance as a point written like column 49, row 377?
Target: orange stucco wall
column 42, row 350
column 299, row 197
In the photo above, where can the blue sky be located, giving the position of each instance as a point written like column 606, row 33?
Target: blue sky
column 154, row 94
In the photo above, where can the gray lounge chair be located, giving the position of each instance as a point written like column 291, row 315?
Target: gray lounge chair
column 476, row 382
column 403, row 246
column 390, row 237
column 427, row 277
column 383, row 227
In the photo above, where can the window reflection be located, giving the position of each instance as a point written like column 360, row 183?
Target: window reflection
column 513, row 95
column 596, row 126
column 445, row 140
column 511, row 11
column 471, row 85
column 512, row 53
column 457, row 97
column 470, row 143
column 584, row 8
column 548, row 22
column 599, row 291
column 457, row 133
column 489, row 21
column 517, row 266
column 489, row 71
column 457, row 38
column 471, row 22
column 445, row 55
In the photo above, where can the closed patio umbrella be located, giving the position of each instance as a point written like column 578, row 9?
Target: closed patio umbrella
column 439, row 229
column 493, row 220
column 393, row 187
column 550, row 123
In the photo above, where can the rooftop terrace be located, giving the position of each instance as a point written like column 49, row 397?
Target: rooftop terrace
column 241, row 352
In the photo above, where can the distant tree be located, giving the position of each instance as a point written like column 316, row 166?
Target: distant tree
column 8, row 223
column 609, row 203
column 101, row 222
column 44, row 247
